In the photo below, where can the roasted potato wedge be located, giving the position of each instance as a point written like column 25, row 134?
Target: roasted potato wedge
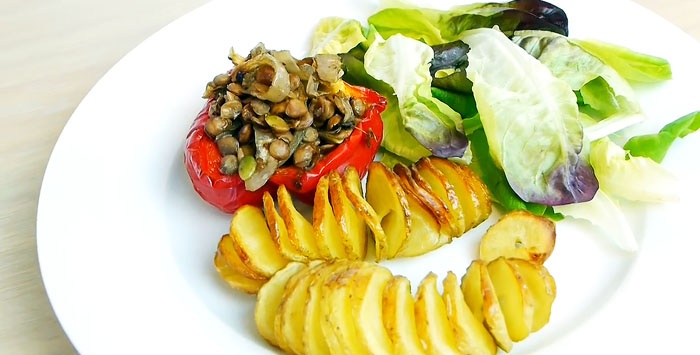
column 424, row 172
column 370, row 217
column 278, row 231
column 327, row 232
column 471, row 337
column 485, row 206
column 352, row 227
column 270, row 297
column 471, row 289
column 519, row 234
column 299, row 230
column 399, row 317
column 253, row 241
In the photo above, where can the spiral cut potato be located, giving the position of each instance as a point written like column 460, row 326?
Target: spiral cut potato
column 406, row 211
column 357, row 307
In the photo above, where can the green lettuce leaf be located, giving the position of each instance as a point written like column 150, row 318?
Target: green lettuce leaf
column 434, row 26
column 530, row 119
column 629, row 177
column 603, row 94
column 632, row 65
column 397, row 140
column 334, row 35
column 403, row 63
column 495, row 180
column 655, row 146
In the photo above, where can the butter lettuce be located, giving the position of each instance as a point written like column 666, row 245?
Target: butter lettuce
column 434, row 26
column 655, row 146
column 631, row 178
column 403, row 63
column 632, row 65
column 603, row 94
column 334, row 35
column 530, row 119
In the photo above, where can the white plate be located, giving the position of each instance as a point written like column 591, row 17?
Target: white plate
column 125, row 245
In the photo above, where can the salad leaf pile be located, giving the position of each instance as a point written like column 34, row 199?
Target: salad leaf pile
column 502, row 87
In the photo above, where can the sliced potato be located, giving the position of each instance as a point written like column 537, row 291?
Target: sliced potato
column 352, row 227
column 339, row 326
column 471, row 289
column 399, row 318
column 269, row 298
column 388, row 199
column 485, row 206
column 278, row 231
column 313, row 337
column 229, row 253
column 291, row 313
column 430, row 200
column 471, row 337
column 541, row 285
column 299, row 230
column 236, row 280
column 366, row 292
column 433, row 327
column 253, row 241
column 373, row 221
column 443, row 189
column 519, row 234
column 508, row 290
column 470, row 201
column 494, row 319
column 426, row 233
column 327, row 232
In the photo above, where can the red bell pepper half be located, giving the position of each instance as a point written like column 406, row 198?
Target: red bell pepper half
column 228, row 193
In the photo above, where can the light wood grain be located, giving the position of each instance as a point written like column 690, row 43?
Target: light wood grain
column 51, row 54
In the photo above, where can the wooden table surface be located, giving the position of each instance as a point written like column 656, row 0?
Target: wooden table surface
column 51, row 54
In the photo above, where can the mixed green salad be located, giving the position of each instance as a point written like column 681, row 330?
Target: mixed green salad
column 501, row 86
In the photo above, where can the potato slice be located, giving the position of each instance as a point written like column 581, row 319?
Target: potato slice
column 485, row 206
column 327, row 231
column 339, row 327
column 229, row 253
column 494, row 319
column 278, row 231
column 471, row 337
column 388, row 199
column 234, row 279
column 519, row 234
column 438, row 183
column 470, row 201
column 433, row 327
column 471, row 289
column 253, row 241
column 291, row 313
column 399, row 318
column 541, row 284
column 426, row 233
column 368, row 213
column 427, row 198
column 366, row 293
column 352, row 227
column 517, row 312
column 269, row 299
column 313, row 337
column 299, row 230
